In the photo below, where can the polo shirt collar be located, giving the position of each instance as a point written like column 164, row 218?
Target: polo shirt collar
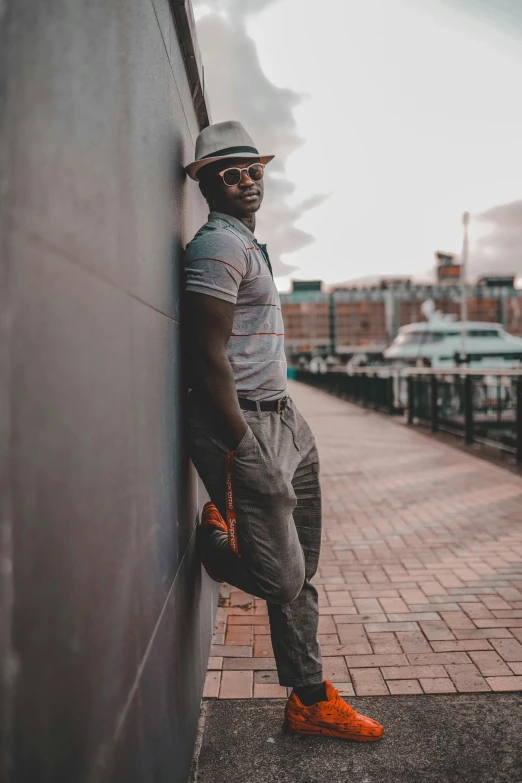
column 237, row 224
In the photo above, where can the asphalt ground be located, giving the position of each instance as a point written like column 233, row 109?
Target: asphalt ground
column 471, row 738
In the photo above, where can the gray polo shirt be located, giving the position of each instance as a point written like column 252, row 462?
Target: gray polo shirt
column 225, row 260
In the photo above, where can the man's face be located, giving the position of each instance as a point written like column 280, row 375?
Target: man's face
column 239, row 200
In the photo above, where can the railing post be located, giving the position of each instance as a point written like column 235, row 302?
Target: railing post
column 518, row 424
column 468, row 408
column 411, row 400
column 389, row 394
column 434, row 404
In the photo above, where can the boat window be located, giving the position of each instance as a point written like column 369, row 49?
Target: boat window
column 483, row 333
column 419, row 338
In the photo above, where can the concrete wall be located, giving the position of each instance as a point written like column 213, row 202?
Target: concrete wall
column 105, row 618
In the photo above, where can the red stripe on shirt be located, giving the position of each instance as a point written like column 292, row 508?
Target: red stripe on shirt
column 253, row 248
column 215, row 259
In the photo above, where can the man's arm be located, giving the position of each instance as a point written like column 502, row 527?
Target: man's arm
column 208, row 325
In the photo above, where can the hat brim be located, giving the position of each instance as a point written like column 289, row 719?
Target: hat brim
column 193, row 168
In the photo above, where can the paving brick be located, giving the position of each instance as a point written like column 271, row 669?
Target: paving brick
column 327, row 625
column 384, row 643
column 368, row 661
column 505, row 683
column 236, row 685
column 439, row 607
column 495, row 602
column 393, row 605
column 515, row 667
column 214, row 663
column 352, row 648
column 437, row 685
column 359, row 619
column 235, row 664
column 476, row 611
column 239, row 635
column 246, row 620
column 390, row 627
column 413, row 642
column 517, row 633
column 212, row 683
column 398, row 687
column 484, row 633
column 509, row 649
column 457, row 620
column 334, row 669
column 510, row 614
column 467, row 678
column 510, row 593
column 412, row 617
column 349, row 634
column 231, row 651
column 490, row 664
column 411, row 672
column 343, row 598
column 264, row 691
column 427, row 659
column 344, row 688
column 414, row 596
column 263, row 647
column 374, row 594
column 368, row 682
column 436, row 630
column 461, row 646
column 239, row 598
column 266, row 678
column 328, row 638
column 434, row 589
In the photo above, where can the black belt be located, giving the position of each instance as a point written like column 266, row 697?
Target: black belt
column 264, row 405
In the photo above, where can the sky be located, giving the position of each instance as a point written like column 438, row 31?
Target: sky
column 388, row 119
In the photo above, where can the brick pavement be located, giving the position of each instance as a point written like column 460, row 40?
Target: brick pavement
column 420, row 577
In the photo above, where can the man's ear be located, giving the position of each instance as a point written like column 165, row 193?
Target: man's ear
column 205, row 192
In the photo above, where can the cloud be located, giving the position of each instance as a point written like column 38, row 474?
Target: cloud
column 238, row 89
column 506, row 15
column 498, row 245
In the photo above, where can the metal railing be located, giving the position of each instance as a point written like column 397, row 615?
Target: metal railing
column 368, row 389
column 481, row 408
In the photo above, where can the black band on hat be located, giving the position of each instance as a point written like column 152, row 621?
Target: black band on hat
column 230, row 151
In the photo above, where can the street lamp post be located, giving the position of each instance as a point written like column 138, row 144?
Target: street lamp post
column 463, row 284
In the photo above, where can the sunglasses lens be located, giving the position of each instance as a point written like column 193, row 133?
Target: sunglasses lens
column 232, row 177
column 255, row 171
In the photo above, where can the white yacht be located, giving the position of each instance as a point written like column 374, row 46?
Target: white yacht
column 439, row 341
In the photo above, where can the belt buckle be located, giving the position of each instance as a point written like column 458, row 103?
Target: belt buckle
column 280, row 405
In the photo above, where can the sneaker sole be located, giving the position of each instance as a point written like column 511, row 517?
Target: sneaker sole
column 319, row 731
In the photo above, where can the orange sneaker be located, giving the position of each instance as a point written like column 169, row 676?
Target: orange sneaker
column 332, row 718
column 209, row 517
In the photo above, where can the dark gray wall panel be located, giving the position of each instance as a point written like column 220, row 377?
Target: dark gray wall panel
column 166, row 699
column 165, row 490
column 152, row 160
column 66, row 112
column 76, row 611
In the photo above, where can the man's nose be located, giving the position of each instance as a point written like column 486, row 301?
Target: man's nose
column 245, row 179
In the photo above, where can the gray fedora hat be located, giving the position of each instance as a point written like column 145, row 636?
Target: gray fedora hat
column 220, row 141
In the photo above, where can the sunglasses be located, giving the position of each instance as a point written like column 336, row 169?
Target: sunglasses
column 232, row 176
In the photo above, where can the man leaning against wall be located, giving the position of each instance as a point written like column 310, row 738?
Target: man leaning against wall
column 253, row 450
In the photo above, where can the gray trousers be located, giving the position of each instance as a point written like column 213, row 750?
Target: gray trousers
column 278, row 506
